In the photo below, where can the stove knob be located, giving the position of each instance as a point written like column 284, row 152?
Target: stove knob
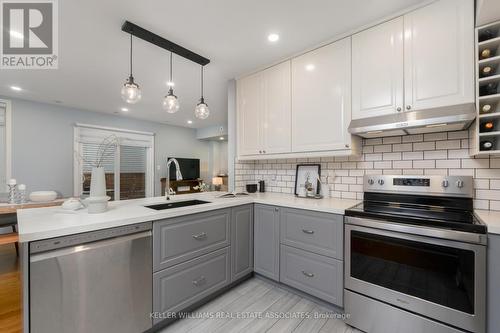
column 460, row 183
column 445, row 183
column 371, row 181
column 381, row 182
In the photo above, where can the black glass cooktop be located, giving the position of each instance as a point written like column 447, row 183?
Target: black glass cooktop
column 442, row 212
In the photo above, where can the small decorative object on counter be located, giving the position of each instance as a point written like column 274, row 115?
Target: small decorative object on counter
column 21, row 195
column 307, row 176
column 217, row 182
column 72, row 204
column 251, row 188
column 12, row 183
column 324, row 188
column 202, row 187
column 43, row 196
column 262, row 186
column 485, row 145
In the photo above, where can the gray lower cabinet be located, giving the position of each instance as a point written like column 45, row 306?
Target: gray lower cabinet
column 241, row 241
column 176, row 240
column 266, row 241
column 177, row 287
column 321, row 233
column 493, row 278
column 312, row 273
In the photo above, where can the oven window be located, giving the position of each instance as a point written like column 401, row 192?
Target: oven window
column 439, row 274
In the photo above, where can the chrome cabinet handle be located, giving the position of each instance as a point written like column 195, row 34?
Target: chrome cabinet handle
column 200, row 281
column 201, row 236
column 276, row 209
column 263, row 151
column 408, row 107
column 308, row 274
column 309, row 232
column 260, row 151
column 398, row 109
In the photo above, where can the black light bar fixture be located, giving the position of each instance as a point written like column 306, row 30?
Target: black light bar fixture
column 153, row 38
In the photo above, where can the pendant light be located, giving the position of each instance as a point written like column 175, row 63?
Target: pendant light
column 131, row 93
column 202, row 111
column 170, row 102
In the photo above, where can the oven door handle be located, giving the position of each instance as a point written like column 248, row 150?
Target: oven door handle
column 447, row 234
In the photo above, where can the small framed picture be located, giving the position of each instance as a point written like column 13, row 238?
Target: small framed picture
column 307, row 177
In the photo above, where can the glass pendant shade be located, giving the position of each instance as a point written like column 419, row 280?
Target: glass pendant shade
column 131, row 92
column 202, row 111
column 170, row 102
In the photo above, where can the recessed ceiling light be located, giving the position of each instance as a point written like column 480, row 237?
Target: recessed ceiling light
column 189, row 121
column 221, row 138
column 15, row 88
column 310, row 67
column 124, row 109
column 273, row 37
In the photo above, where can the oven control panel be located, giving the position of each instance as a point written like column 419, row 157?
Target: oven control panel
column 438, row 185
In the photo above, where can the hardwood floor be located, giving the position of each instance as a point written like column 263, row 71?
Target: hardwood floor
column 268, row 308
column 10, row 290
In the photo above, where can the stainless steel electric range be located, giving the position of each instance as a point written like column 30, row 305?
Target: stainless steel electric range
column 415, row 257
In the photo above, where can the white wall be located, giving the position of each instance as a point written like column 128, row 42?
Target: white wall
column 42, row 144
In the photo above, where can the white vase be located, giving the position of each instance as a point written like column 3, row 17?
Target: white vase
column 98, row 182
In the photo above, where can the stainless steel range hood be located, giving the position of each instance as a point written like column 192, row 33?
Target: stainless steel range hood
column 450, row 118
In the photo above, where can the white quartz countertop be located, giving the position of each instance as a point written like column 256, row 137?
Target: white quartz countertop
column 42, row 223
column 491, row 218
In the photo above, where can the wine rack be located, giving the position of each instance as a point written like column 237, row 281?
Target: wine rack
column 486, row 129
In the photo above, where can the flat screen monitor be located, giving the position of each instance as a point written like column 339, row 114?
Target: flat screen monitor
column 190, row 168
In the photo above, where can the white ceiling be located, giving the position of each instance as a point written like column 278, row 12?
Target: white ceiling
column 93, row 51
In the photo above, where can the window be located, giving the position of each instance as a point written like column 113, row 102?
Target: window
column 5, row 152
column 129, row 169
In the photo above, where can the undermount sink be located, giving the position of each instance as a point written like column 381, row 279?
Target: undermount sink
column 170, row 205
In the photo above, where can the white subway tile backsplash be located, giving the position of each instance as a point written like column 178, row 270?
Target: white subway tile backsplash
column 442, row 153
column 435, row 154
column 419, row 146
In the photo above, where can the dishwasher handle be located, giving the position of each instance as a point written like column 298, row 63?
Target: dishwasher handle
column 89, row 246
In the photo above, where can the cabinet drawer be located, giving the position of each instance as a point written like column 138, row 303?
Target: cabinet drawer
column 177, row 287
column 187, row 237
column 321, row 233
column 314, row 274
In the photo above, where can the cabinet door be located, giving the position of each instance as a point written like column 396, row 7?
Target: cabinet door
column 321, row 98
column 266, row 247
column 439, row 55
column 250, row 114
column 377, row 70
column 241, row 241
column 277, row 99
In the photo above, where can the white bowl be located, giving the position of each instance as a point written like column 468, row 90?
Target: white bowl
column 43, row 196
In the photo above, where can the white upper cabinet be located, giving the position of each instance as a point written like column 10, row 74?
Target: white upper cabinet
column 249, row 117
column 321, row 98
column 377, row 70
column 264, row 112
column 277, row 115
column 422, row 60
column 439, row 55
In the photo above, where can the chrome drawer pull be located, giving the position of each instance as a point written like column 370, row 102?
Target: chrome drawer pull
column 309, row 232
column 308, row 274
column 200, row 281
column 201, row 236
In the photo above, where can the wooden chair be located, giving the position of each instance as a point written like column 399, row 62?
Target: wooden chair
column 10, row 238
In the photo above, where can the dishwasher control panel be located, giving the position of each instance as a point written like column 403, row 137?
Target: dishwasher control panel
column 87, row 237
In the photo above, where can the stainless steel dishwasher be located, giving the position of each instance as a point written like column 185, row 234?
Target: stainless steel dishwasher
column 99, row 281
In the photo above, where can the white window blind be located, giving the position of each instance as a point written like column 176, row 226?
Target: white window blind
column 133, row 159
column 89, row 153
